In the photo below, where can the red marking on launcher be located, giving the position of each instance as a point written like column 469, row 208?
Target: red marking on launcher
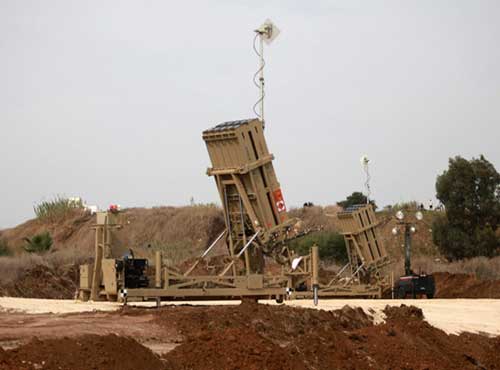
column 279, row 201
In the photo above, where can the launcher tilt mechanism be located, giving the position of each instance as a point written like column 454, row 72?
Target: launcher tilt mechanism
column 253, row 203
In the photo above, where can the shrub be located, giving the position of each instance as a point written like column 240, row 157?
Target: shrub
column 56, row 209
column 4, row 248
column 39, row 243
column 330, row 245
column 354, row 199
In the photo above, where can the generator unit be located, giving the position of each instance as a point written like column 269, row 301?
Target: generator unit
column 415, row 285
column 134, row 272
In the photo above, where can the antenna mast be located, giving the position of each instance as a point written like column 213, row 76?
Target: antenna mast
column 365, row 161
column 266, row 32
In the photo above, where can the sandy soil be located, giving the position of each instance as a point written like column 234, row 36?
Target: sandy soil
column 450, row 315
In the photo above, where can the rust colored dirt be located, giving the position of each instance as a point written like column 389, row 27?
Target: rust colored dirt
column 84, row 353
column 465, row 286
column 231, row 348
column 223, row 338
column 247, row 336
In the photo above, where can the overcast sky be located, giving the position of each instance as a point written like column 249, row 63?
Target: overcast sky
column 107, row 99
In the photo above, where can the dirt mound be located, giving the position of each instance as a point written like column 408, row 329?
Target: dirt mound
column 296, row 336
column 274, row 322
column 254, row 336
column 108, row 352
column 44, row 282
column 465, row 286
column 403, row 312
column 313, row 339
column 408, row 342
column 231, row 349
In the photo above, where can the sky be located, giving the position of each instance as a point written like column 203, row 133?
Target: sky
column 107, row 100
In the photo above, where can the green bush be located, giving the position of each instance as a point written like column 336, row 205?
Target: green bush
column 330, row 245
column 39, row 243
column 4, row 248
column 56, row 209
column 356, row 198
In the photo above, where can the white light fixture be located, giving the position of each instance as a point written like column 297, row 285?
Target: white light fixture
column 364, row 160
column 269, row 31
column 413, row 229
column 400, row 215
column 394, row 231
column 419, row 216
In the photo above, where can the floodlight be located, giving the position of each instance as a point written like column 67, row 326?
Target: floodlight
column 269, row 31
column 400, row 215
column 419, row 216
column 394, row 231
column 413, row 229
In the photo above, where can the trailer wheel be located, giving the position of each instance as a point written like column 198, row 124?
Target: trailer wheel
column 84, row 295
column 279, row 299
column 401, row 293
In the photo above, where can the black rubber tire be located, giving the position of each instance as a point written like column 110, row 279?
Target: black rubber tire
column 401, row 293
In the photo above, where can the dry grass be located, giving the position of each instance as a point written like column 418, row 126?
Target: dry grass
column 179, row 232
column 70, row 256
column 12, row 268
column 173, row 253
column 482, row 268
column 56, row 209
column 4, row 247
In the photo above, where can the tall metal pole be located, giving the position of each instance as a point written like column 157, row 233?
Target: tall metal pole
column 408, row 250
column 261, row 79
column 315, row 272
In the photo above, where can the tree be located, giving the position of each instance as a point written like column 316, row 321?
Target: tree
column 354, row 199
column 470, row 191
